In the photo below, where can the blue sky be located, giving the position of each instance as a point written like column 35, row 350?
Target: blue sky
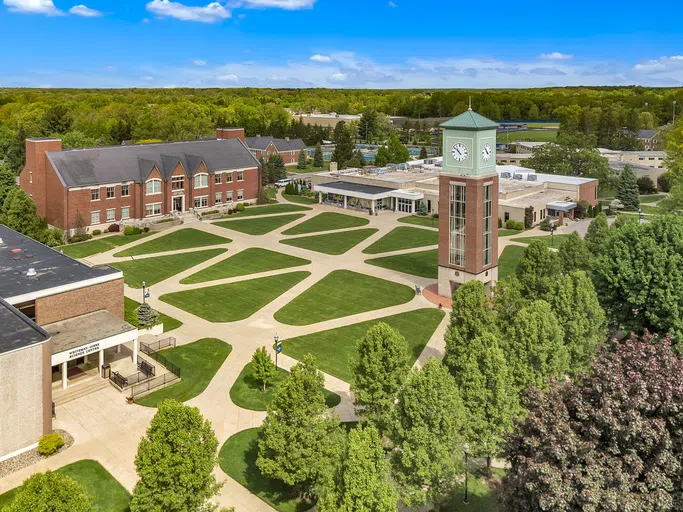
column 338, row 43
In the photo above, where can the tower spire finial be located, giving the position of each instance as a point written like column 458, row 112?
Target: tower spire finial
column 470, row 107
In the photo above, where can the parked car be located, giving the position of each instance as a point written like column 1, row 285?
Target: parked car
column 282, row 182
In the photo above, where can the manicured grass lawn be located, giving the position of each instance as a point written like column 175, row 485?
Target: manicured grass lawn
column 107, row 493
column 187, row 238
column 300, row 199
column 198, row 362
column 651, row 210
column 252, row 211
column 129, row 307
column 259, row 225
column 271, row 194
column 419, row 220
column 156, row 269
column 237, row 459
column 652, row 198
column 508, row 232
column 528, row 135
column 403, row 237
column 326, row 222
column 423, row 263
column 334, row 347
column 342, row 293
column 249, row 261
column 98, row 245
column 481, row 493
column 248, row 393
column 234, row 301
column 554, row 241
column 508, row 261
column 332, row 243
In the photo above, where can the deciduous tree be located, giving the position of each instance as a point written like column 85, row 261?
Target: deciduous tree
column 19, row 213
column 50, row 492
column 7, row 182
column 597, row 233
column 574, row 254
column 537, row 268
column 263, row 366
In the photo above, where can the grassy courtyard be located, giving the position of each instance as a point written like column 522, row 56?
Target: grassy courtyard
column 249, row 261
column 98, row 245
column 482, row 493
column 508, row 261
column 403, row 237
column 271, row 209
column 156, row 269
column 187, row 238
column 248, row 393
column 198, row 362
column 300, row 199
column 332, row 243
column 237, row 459
column 107, row 493
column 343, row 293
column 259, row 225
column 508, row 232
column 334, row 347
column 420, row 220
column 550, row 241
column 129, row 307
column 527, row 135
column 327, row 221
column 423, row 263
column 234, row 301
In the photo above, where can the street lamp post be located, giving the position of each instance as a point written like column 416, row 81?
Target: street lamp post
column 144, row 292
column 278, row 347
column 466, row 501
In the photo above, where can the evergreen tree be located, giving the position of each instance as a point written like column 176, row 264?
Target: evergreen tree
column 147, row 317
column 264, row 172
column 382, row 157
column 51, row 491
column 264, row 370
column 19, row 213
column 627, row 189
column 360, row 481
column 361, row 159
column 175, row 462
column 423, row 153
column 597, row 233
column 378, row 373
column 276, row 165
column 344, row 146
column 537, row 268
column 302, row 164
column 574, row 254
column 429, row 419
column 318, row 157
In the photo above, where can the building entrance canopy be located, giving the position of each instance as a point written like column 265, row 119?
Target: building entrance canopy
column 371, row 192
column 561, row 206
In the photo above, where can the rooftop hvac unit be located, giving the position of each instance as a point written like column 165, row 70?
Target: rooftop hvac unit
column 532, row 177
column 505, row 174
column 439, row 164
column 517, row 176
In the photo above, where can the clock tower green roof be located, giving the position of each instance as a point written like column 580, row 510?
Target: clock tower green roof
column 470, row 120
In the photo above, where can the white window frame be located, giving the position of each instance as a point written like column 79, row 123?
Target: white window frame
column 240, row 194
column 125, row 212
column 218, row 179
column 201, row 199
column 94, row 194
column 218, row 198
column 456, row 229
column 152, row 182
column 203, row 175
column 178, row 179
column 240, row 176
column 126, row 189
column 228, row 196
column 153, row 206
column 488, row 224
column 111, row 218
column 113, row 192
column 94, row 222
column 228, row 177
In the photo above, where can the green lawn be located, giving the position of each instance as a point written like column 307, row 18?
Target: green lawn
column 508, row 261
column 300, row 199
column 271, row 209
column 652, row 198
column 259, row 225
column 187, row 238
column 129, row 307
column 332, row 243
column 403, row 237
column 326, row 222
column 249, row 261
column 508, row 232
column 419, row 220
column 343, row 293
column 554, row 241
column 482, row 493
column 107, row 493
column 423, row 263
column 248, row 393
column 234, row 301
column 292, row 168
column 528, row 135
column 237, row 459
column 334, row 347
column 271, row 194
column 198, row 362
column 156, row 269
column 98, row 245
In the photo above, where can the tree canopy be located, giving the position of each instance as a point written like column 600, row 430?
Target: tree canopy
column 50, row 492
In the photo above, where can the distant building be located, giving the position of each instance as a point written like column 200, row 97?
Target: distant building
column 512, row 158
column 264, row 147
column 643, row 163
column 648, row 138
column 527, row 147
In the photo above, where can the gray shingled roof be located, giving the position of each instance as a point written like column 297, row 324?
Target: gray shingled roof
column 646, row 134
column 470, row 120
column 95, row 166
column 281, row 144
column 18, row 331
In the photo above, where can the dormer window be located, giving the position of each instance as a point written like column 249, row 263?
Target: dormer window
column 201, row 181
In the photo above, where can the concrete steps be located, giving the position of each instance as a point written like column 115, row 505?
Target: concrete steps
column 76, row 391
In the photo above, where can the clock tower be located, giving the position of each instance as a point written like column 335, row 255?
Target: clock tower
column 468, row 203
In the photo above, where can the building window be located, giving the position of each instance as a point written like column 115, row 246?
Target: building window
column 125, row 190
column 201, row 181
column 240, row 176
column 30, row 176
column 201, row 202
column 111, row 192
column 488, row 224
column 125, row 212
column 457, row 225
column 94, row 218
column 404, row 205
column 218, row 198
column 153, row 209
column 153, row 187
column 111, row 214
column 228, row 196
column 94, row 194
column 228, row 177
column 240, row 195
column 218, row 179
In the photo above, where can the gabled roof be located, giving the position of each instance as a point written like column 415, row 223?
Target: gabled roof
column 646, row 134
column 470, row 120
column 280, row 144
column 96, row 166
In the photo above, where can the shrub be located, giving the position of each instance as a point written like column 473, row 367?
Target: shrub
column 146, row 229
column 545, row 224
column 583, row 209
column 163, row 221
column 131, row 230
column 114, row 228
column 519, row 226
column 79, row 238
column 240, row 207
column 513, row 224
column 96, row 232
column 500, row 223
column 646, row 185
column 53, row 237
column 664, row 182
column 230, row 211
column 147, row 317
column 49, row 444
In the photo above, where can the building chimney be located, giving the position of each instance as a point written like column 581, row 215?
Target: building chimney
column 230, row 133
column 287, row 139
column 33, row 177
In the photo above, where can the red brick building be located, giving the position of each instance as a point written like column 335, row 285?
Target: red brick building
column 117, row 184
column 263, row 147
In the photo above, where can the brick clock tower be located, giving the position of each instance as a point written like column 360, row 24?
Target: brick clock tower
column 468, row 203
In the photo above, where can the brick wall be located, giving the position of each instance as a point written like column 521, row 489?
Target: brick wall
column 589, row 192
column 34, row 176
column 62, row 306
column 230, row 133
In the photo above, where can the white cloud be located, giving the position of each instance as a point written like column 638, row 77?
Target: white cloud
column 337, row 78
column 227, row 78
column 86, row 12
column 665, row 64
column 290, row 5
column 556, row 56
column 392, row 4
column 33, row 7
column 111, row 69
column 199, row 62
column 147, row 78
column 320, row 58
column 211, row 13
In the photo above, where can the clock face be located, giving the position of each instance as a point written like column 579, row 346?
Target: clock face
column 486, row 152
column 459, row 152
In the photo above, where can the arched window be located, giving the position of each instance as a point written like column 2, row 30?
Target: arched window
column 153, row 186
column 201, row 180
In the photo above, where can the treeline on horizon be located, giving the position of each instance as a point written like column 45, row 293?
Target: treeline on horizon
column 89, row 117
